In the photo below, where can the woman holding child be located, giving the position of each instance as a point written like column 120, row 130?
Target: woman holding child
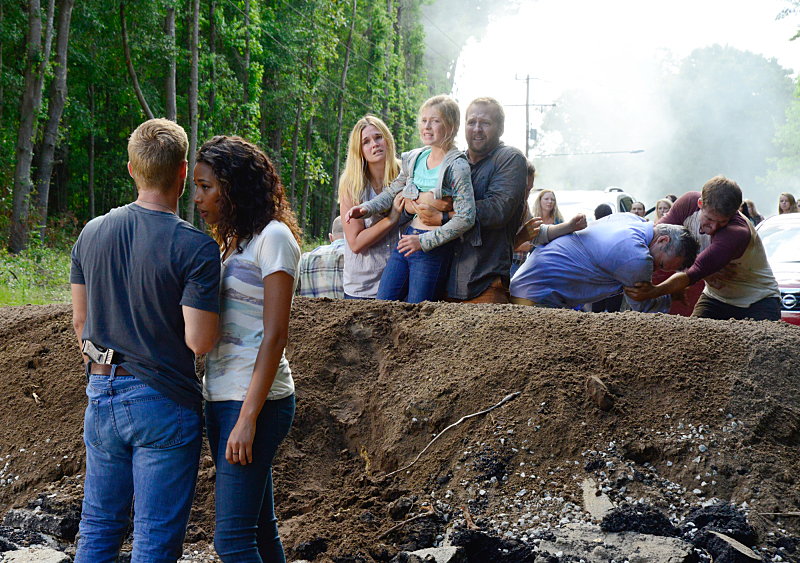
column 248, row 385
column 429, row 175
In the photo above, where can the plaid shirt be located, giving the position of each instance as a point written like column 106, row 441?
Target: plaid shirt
column 321, row 271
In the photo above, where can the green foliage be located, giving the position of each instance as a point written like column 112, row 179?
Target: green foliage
column 783, row 174
column 36, row 276
column 296, row 53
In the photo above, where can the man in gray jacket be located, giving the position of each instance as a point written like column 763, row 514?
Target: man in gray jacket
column 482, row 258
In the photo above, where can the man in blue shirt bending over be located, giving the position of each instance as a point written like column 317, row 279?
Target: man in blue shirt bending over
column 597, row 262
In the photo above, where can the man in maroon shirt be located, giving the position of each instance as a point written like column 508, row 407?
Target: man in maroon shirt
column 732, row 261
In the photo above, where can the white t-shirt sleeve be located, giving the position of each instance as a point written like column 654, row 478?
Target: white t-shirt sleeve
column 276, row 250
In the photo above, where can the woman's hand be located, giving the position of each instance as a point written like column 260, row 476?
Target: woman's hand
column 240, row 442
column 397, row 208
column 409, row 244
column 356, row 212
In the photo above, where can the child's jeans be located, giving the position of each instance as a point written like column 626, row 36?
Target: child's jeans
column 416, row 278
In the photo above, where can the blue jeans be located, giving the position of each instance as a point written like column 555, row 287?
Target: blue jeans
column 416, row 278
column 137, row 442
column 246, row 528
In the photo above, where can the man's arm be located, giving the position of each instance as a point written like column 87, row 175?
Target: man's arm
column 676, row 283
column 79, row 300
column 201, row 329
column 548, row 233
column 641, row 294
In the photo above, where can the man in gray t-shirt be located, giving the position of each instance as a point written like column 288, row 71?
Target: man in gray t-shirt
column 145, row 286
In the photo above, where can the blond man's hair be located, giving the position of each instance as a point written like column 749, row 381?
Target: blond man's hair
column 157, row 150
column 497, row 108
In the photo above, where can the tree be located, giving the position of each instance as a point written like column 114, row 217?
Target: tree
column 193, row 87
column 290, row 76
column 783, row 174
column 37, row 58
column 58, row 97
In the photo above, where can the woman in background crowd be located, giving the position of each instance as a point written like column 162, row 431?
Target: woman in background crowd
column 753, row 213
column 638, row 209
column 662, row 208
column 371, row 166
column 546, row 207
column 248, row 385
column 787, row 204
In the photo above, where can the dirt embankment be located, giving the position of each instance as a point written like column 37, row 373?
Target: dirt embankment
column 703, row 410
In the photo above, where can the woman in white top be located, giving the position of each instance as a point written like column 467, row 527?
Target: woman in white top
column 370, row 167
column 248, row 385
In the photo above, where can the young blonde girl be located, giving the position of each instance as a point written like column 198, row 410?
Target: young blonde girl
column 428, row 175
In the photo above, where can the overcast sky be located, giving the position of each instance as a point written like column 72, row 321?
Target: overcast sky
column 587, row 43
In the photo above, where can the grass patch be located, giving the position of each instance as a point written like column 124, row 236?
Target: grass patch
column 312, row 243
column 40, row 274
column 36, row 276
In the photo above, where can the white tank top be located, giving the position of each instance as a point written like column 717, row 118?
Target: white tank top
column 754, row 280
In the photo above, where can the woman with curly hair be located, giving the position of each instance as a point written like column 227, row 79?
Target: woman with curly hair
column 546, row 207
column 248, row 385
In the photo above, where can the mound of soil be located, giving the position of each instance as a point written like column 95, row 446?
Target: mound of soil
column 703, row 410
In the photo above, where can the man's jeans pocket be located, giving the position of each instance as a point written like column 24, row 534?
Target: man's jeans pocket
column 91, row 423
column 155, row 421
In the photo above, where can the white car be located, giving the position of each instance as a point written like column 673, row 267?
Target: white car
column 572, row 202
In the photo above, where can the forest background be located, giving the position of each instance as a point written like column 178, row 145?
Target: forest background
column 76, row 77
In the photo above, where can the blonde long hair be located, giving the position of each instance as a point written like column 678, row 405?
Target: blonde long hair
column 450, row 114
column 669, row 206
column 353, row 181
column 537, row 207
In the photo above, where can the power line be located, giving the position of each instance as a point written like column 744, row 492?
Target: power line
column 377, row 47
column 635, row 151
column 440, row 31
column 353, row 51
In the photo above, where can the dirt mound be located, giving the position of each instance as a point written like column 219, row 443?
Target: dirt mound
column 703, row 410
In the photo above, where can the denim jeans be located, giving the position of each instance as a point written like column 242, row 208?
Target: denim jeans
column 139, row 443
column 416, row 278
column 246, row 528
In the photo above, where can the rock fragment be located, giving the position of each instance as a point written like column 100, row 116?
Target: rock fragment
column 599, row 393
column 33, row 555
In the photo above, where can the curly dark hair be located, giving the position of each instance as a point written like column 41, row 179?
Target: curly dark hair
column 251, row 193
